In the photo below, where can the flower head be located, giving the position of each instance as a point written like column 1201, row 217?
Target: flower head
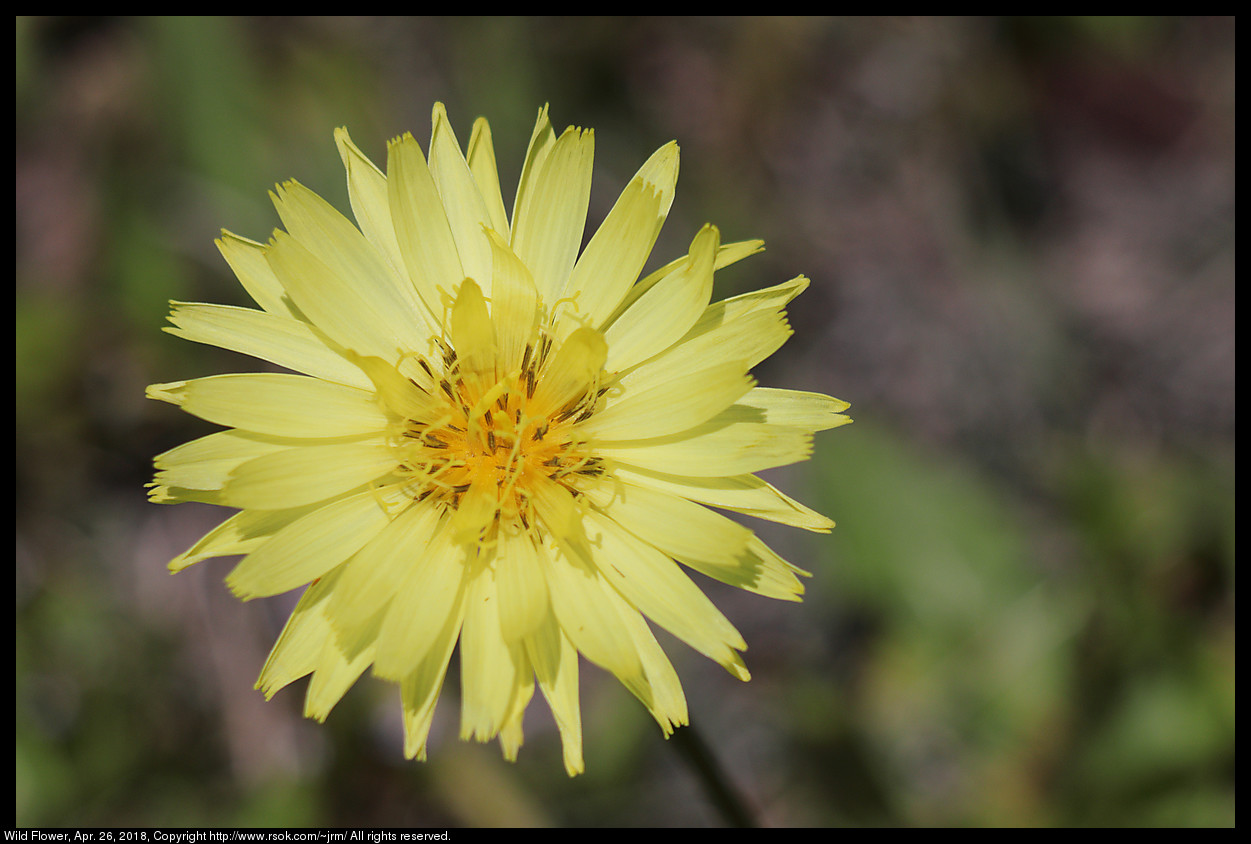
column 488, row 440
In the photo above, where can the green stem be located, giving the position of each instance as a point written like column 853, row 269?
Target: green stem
column 704, row 765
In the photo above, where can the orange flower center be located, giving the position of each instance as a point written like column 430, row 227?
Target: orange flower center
column 491, row 444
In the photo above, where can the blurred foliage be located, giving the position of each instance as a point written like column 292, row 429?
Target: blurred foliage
column 1020, row 235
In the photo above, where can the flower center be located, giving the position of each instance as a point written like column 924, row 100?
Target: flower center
column 493, row 442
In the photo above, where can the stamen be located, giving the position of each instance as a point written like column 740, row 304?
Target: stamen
column 486, row 438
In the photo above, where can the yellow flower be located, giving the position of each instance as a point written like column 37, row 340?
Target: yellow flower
column 493, row 440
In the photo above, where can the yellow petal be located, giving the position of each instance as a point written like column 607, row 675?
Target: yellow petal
column 733, row 442
column 745, row 494
column 466, row 212
column 421, row 226
column 367, row 193
column 334, row 676
column 514, row 303
column 247, row 259
column 489, row 665
column 430, row 593
column 481, row 158
column 207, row 462
column 674, row 525
column 276, row 404
column 615, row 255
column 309, row 547
column 668, row 310
column 555, row 661
column 727, row 254
column 419, row 689
column 699, row 538
column 356, row 316
column 664, row 698
column 475, row 512
column 298, row 650
column 542, row 139
column 522, row 590
column 305, row 475
column 747, row 321
column 306, row 646
column 575, row 367
column 590, row 613
column 402, row 396
column 287, row 342
column 655, row 585
column 550, row 218
column 671, row 406
column 798, row 409
column 362, row 268
column 510, row 734
column 242, row 533
column 473, row 335
column 753, row 325
column 367, row 583
column 609, row 631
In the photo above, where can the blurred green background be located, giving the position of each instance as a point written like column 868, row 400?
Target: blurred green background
column 1020, row 234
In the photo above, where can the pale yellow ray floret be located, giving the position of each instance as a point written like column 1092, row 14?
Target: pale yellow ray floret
column 491, row 440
